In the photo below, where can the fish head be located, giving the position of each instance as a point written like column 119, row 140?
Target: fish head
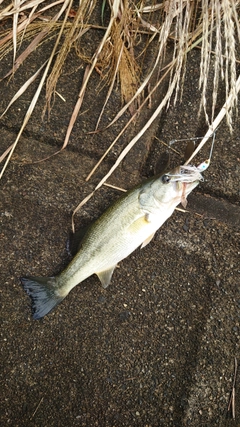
column 173, row 187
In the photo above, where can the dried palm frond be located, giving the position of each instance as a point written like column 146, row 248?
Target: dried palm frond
column 76, row 30
column 220, row 30
column 118, row 56
column 133, row 29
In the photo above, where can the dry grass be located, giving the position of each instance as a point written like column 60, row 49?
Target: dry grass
column 211, row 25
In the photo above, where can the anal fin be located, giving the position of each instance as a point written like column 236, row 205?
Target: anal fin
column 105, row 276
column 148, row 240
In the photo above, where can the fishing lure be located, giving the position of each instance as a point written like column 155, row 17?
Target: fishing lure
column 189, row 173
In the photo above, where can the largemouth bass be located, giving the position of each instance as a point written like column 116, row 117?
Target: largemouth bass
column 129, row 223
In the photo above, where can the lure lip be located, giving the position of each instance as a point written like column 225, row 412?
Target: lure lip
column 186, row 174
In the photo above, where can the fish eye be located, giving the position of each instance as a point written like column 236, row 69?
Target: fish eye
column 166, row 179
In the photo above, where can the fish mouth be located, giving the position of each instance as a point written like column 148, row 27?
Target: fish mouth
column 186, row 174
column 186, row 190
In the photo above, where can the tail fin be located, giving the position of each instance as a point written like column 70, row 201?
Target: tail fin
column 42, row 291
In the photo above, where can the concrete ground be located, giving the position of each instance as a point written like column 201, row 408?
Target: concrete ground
column 158, row 346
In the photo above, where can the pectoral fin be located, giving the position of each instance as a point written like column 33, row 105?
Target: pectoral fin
column 105, row 276
column 139, row 224
column 148, row 240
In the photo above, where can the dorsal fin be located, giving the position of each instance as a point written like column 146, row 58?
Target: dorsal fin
column 190, row 147
column 74, row 242
column 162, row 163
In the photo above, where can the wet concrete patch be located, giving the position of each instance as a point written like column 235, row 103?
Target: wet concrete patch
column 157, row 347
